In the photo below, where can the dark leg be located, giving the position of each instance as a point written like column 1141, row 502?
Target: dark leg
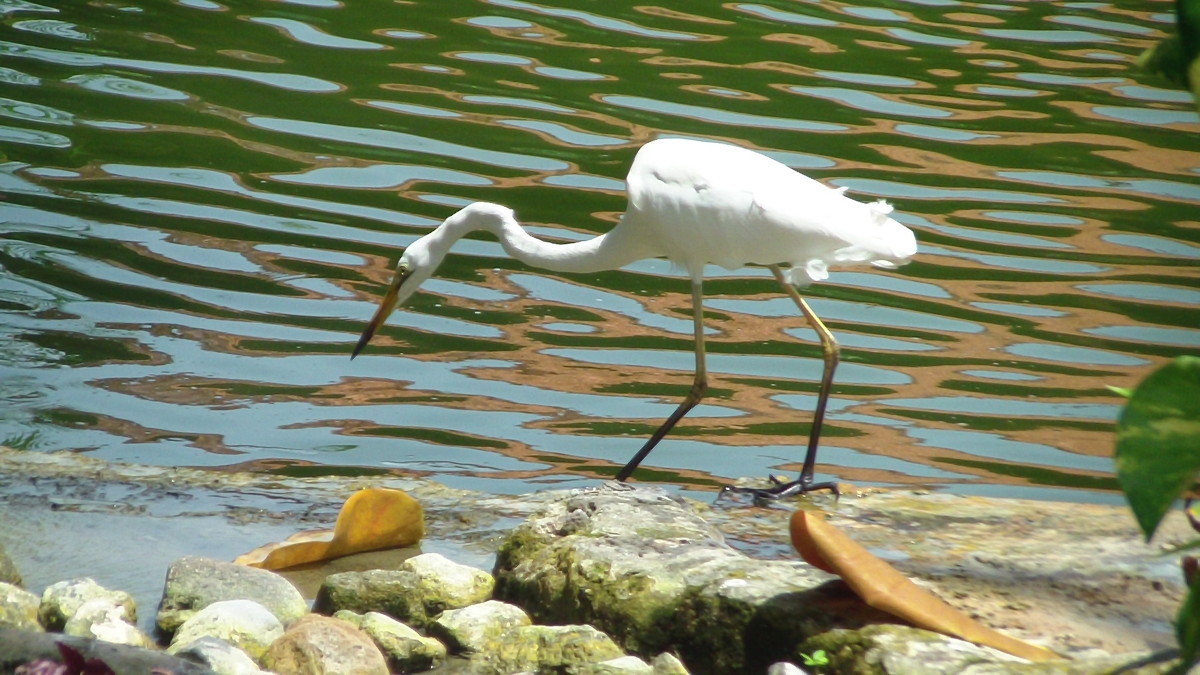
column 699, row 386
column 831, row 352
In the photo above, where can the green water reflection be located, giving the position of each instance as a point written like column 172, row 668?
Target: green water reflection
column 201, row 201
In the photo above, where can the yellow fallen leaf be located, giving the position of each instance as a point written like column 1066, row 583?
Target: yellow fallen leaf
column 883, row 587
column 371, row 519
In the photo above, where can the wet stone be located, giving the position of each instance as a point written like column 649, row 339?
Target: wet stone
column 18, row 608
column 406, row 650
column 317, row 644
column 194, row 583
column 423, row 587
column 19, row 647
column 546, row 649
column 60, row 601
column 244, row 624
column 478, row 627
column 385, row 591
column 445, row 584
column 667, row 663
column 624, row 665
column 219, row 656
column 105, row 618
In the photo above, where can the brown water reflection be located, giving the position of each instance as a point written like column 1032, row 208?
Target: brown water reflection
column 198, row 219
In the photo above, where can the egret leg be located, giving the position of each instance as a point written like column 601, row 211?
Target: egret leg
column 831, row 352
column 699, row 385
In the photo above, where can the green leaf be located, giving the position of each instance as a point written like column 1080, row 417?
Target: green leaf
column 1158, row 440
column 1120, row 391
column 1187, row 627
column 1167, row 59
column 818, row 658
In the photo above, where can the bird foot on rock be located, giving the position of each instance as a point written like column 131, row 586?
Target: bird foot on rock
column 618, row 486
column 780, row 489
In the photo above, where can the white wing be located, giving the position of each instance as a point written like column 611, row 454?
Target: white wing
column 716, row 203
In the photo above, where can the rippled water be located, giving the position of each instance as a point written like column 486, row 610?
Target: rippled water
column 202, row 202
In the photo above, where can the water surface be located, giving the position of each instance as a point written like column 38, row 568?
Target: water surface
column 202, row 201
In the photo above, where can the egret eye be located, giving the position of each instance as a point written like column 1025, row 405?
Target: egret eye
column 403, row 271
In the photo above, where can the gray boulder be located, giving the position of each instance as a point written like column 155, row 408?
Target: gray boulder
column 219, row 656
column 422, row 588
column 244, row 624
column 20, row 647
column 194, row 583
column 650, row 572
column 390, row 592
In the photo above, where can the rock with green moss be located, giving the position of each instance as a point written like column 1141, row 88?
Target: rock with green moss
column 419, row 591
column 385, row 591
column 646, row 569
column 478, row 628
column 60, row 602
column 663, row 664
column 445, row 584
column 107, row 618
column 18, row 608
column 891, row 649
column 194, row 583
column 406, row 650
column 245, row 624
column 546, row 649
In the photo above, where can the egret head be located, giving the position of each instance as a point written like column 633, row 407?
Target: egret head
column 423, row 256
column 415, row 266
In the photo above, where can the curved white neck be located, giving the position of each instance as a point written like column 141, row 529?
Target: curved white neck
column 608, row 251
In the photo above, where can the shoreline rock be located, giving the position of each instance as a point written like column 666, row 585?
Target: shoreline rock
column 658, row 577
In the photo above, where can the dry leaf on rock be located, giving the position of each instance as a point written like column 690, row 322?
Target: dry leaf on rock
column 883, row 587
column 371, row 519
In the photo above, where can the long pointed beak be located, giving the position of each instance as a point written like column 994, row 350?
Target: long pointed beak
column 386, row 307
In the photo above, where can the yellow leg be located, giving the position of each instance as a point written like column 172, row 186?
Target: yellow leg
column 831, row 353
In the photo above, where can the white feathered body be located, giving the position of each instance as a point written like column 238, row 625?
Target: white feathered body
column 694, row 203
column 697, row 202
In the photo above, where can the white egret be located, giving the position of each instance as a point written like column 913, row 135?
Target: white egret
column 697, row 202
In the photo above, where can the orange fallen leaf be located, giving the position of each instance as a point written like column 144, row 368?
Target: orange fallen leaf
column 883, row 587
column 371, row 519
